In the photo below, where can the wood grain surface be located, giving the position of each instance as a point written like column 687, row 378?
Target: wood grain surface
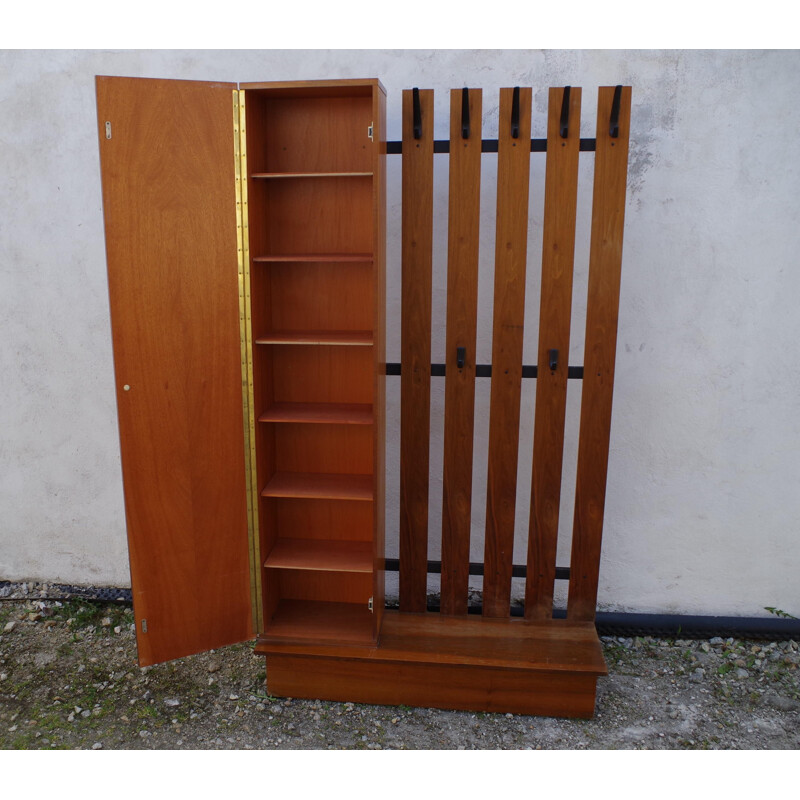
column 558, row 249
column 169, row 204
column 513, row 178
column 462, row 312
column 605, row 265
column 415, row 351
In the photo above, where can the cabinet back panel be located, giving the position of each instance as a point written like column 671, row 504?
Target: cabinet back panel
column 319, row 297
column 317, row 215
column 309, row 134
column 345, row 587
column 323, row 448
column 323, row 519
column 321, row 374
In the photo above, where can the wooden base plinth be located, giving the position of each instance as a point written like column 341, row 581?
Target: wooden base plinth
column 463, row 663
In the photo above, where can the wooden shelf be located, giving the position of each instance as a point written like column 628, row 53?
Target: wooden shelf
column 336, row 413
column 310, row 620
column 320, row 555
column 272, row 175
column 356, row 338
column 314, row 257
column 324, row 486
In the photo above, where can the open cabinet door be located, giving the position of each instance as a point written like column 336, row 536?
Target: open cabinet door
column 169, row 196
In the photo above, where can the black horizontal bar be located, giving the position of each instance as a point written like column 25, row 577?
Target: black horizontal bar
column 489, row 146
column 517, row 570
column 485, row 371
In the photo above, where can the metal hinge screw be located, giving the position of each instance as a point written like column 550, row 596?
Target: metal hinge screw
column 144, row 626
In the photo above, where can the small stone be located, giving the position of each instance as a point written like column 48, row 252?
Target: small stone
column 49, row 623
column 715, row 641
column 144, row 734
column 705, row 647
column 71, row 718
column 118, row 629
column 97, row 746
column 395, row 720
column 10, row 626
column 172, row 702
column 674, row 714
column 12, row 729
column 213, row 666
column 3, row 676
column 260, row 706
column 276, row 709
column 290, row 727
column 86, row 713
column 742, row 673
column 233, row 697
column 34, row 617
column 698, row 675
column 106, row 622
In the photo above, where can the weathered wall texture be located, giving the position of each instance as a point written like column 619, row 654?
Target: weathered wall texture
column 703, row 497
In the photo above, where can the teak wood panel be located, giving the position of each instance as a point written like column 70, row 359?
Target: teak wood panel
column 169, row 202
column 323, row 519
column 558, row 249
column 605, row 263
column 379, row 354
column 513, row 178
column 415, row 383
column 462, row 312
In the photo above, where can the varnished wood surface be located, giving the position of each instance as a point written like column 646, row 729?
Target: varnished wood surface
column 328, row 448
column 445, row 686
column 513, row 177
column 306, row 620
column 312, row 257
column 605, row 263
column 558, row 248
column 415, row 350
column 169, row 204
column 356, row 338
column 322, row 555
column 462, row 311
column 315, row 518
column 319, row 485
column 319, row 413
column 319, row 88
column 556, row 646
column 273, row 175
column 379, row 353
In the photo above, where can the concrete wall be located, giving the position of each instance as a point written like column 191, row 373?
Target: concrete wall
column 703, row 497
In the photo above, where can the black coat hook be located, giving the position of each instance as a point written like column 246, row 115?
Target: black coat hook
column 465, row 113
column 417, row 115
column 613, row 128
column 461, row 357
column 552, row 358
column 564, row 124
column 515, row 114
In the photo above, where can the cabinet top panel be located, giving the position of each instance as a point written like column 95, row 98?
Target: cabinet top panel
column 327, row 88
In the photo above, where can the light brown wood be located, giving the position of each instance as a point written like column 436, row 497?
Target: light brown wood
column 558, row 248
column 316, row 554
column 324, row 586
column 169, row 203
column 311, row 174
column 323, row 519
column 320, row 296
column 330, row 448
column 379, row 355
column 415, row 350
column 513, row 175
column 320, row 485
column 605, row 264
column 319, row 413
column 463, row 662
column 299, row 620
column 357, row 338
column 301, row 257
column 432, row 686
column 462, row 311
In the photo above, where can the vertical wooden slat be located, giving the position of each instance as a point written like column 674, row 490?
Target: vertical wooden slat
column 415, row 353
column 513, row 172
column 379, row 351
column 462, row 311
column 605, row 261
column 558, row 249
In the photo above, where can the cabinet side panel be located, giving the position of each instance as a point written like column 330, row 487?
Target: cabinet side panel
column 167, row 158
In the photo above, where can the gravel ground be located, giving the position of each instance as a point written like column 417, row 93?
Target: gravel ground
column 69, row 680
